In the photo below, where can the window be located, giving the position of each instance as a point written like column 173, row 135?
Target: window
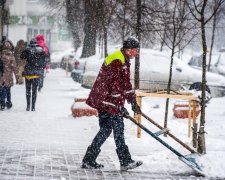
column 32, row 1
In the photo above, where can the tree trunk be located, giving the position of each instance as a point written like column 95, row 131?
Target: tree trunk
column 212, row 40
column 105, row 41
column 201, row 148
column 72, row 9
column 89, row 45
column 171, row 65
column 137, row 59
column 201, row 139
column 168, row 89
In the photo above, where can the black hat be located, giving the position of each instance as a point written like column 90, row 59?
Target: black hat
column 131, row 42
column 33, row 41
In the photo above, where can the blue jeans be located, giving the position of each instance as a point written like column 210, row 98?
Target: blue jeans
column 8, row 94
column 3, row 94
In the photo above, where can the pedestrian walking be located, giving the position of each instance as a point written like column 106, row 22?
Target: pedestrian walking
column 34, row 55
column 20, row 46
column 9, row 68
column 111, row 88
column 2, row 90
column 41, row 42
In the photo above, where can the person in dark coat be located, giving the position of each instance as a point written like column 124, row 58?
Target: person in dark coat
column 2, row 90
column 108, row 94
column 41, row 42
column 34, row 55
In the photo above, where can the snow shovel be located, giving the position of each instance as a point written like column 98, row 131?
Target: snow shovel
column 187, row 159
column 168, row 133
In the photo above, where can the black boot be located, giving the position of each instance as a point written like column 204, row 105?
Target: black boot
column 2, row 107
column 89, row 159
column 28, row 102
column 33, row 108
column 8, row 105
column 125, row 159
column 28, row 108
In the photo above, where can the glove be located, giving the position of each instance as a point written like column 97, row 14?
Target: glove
column 135, row 107
column 123, row 111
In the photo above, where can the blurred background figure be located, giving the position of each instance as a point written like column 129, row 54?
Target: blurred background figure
column 20, row 62
column 2, row 90
column 35, row 57
column 9, row 68
column 41, row 42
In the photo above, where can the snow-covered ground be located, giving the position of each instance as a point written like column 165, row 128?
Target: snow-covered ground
column 32, row 137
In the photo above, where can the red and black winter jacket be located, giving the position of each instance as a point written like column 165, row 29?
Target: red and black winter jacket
column 112, row 86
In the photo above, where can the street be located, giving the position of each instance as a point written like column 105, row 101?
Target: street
column 49, row 143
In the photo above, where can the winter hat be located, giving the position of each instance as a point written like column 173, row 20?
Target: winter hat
column 131, row 42
column 41, row 42
column 33, row 41
column 7, row 45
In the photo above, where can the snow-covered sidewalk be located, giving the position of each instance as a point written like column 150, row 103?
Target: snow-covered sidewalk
column 49, row 143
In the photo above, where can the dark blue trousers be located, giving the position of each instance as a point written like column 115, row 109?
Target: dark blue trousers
column 3, row 94
column 8, row 94
column 109, row 123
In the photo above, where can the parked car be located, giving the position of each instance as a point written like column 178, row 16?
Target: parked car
column 56, row 57
column 154, row 73
column 217, row 64
column 91, row 71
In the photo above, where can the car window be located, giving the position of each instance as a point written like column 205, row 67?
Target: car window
column 197, row 60
column 214, row 59
column 222, row 59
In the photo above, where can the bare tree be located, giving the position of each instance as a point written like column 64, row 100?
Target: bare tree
column 138, row 34
column 90, row 28
column 199, row 12
column 177, row 34
column 74, row 19
column 216, row 19
column 70, row 11
column 105, row 18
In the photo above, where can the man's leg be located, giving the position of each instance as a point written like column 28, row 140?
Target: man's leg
column 122, row 150
column 89, row 160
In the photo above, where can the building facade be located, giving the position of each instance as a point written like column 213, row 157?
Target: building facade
column 28, row 18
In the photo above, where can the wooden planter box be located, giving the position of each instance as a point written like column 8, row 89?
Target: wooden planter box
column 181, row 110
column 79, row 108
